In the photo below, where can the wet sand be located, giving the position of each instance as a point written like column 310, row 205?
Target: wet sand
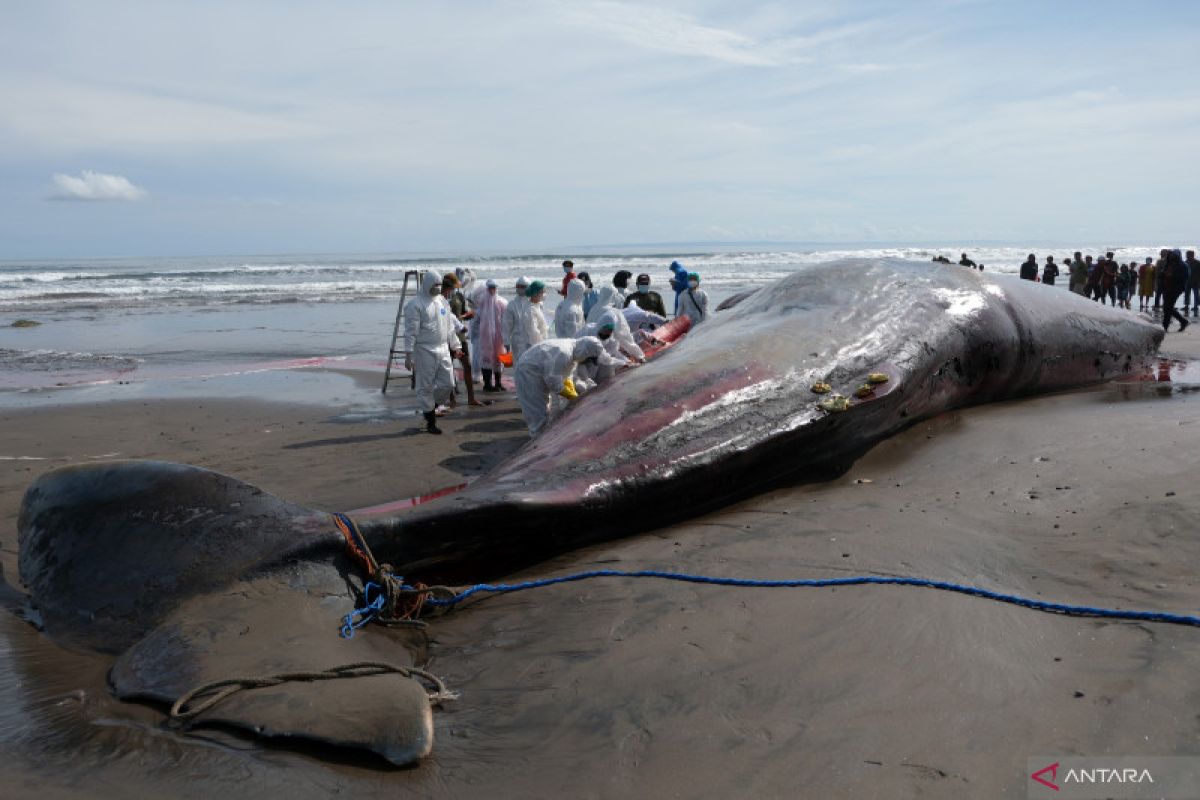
column 617, row 688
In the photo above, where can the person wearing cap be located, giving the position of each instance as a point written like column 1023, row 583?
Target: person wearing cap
column 568, row 317
column 429, row 341
column 488, row 338
column 548, row 369
column 679, row 282
column 693, row 303
column 450, row 291
column 621, row 282
column 646, row 299
column 568, row 276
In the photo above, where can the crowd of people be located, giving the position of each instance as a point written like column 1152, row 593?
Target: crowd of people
column 1158, row 284
column 591, row 334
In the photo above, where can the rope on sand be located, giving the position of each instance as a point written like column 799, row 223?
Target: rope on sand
column 860, row 580
column 187, row 707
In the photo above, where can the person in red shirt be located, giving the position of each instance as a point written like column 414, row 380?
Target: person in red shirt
column 568, row 276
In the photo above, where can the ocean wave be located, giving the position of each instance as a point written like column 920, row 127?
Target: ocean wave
column 59, row 361
column 215, row 282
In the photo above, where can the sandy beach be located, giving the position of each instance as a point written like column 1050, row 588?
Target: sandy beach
column 616, row 688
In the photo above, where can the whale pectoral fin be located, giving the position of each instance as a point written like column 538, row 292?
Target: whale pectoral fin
column 281, row 623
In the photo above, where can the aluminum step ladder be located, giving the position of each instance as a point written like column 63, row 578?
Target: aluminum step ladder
column 415, row 277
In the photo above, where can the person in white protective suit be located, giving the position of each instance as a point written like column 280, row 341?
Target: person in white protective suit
column 490, row 310
column 568, row 317
column 529, row 324
column 693, row 301
column 512, row 314
column 548, row 369
column 592, row 375
column 608, row 298
column 429, row 341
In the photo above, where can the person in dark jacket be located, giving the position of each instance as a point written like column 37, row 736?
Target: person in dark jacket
column 1050, row 271
column 1193, row 283
column 1108, row 280
column 1029, row 269
column 1174, row 283
column 645, row 299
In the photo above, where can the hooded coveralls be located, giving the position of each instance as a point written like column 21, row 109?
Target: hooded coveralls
column 429, row 335
column 542, row 370
column 528, row 326
column 568, row 317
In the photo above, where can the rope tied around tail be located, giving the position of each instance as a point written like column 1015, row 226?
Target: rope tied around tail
column 203, row 698
column 387, row 599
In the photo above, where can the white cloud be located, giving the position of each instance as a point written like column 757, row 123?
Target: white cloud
column 672, row 32
column 95, row 186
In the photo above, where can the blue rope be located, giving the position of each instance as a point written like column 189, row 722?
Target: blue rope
column 361, row 616
column 1025, row 602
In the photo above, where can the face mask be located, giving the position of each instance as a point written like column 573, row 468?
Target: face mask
column 643, row 289
column 693, row 284
column 566, row 268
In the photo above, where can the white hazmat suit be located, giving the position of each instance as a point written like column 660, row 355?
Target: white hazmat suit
column 568, row 317
column 543, row 368
column 429, row 338
column 528, row 327
column 694, row 303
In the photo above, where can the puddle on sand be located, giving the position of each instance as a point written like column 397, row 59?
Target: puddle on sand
column 1167, row 370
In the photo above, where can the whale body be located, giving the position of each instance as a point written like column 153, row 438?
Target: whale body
column 729, row 412
column 171, row 568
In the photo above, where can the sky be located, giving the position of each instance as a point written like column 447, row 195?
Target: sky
column 206, row 128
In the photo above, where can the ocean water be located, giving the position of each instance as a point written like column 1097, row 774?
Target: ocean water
column 162, row 320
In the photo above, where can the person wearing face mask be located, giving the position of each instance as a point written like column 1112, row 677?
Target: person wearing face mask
column 646, row 299
column 529, row 324
column 450, row 294
column 568, row 317
column 429, row 341
column 693, row 303
column 568, row 276
column 548, row 369
column 510, row 325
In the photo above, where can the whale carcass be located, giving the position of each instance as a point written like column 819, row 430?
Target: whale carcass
column 188, row 576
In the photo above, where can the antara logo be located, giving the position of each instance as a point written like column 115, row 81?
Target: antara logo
column 1047, row 776
column 1039, row 776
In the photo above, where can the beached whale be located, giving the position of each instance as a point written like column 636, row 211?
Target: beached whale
column 189, row 576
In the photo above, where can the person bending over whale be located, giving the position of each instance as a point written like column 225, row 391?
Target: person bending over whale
column 548, row 369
